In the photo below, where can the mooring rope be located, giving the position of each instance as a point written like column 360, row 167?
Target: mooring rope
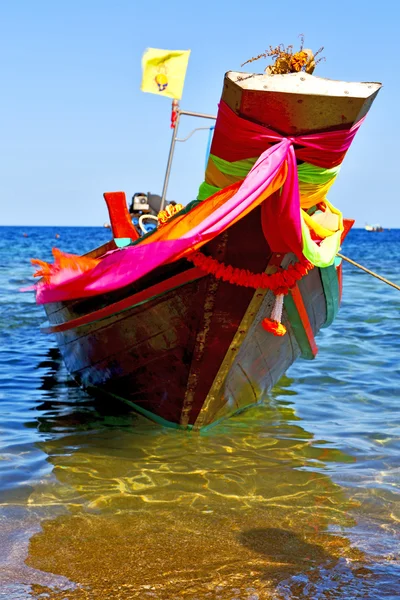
column 352, row 262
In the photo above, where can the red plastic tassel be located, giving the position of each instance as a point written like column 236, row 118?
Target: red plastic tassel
column 174, row 113
column 274, row 325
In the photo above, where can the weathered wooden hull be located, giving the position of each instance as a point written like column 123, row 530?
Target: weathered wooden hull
column 188, row 349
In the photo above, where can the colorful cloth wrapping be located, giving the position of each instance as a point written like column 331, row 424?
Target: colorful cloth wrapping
column 235, row 148
column 314, row 182
column 272, row 180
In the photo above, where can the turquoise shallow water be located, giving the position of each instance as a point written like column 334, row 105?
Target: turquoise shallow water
column 298, row 498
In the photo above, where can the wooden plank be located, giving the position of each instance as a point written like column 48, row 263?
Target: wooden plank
column 225, row 308
column 298, row 317
column 330, row 283
column 215, row 400
column 143, row 354
column 340, row 280
column 313, row 295
column 129, row 302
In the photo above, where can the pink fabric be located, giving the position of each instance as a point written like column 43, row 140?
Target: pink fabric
column 236, row 138
column 281, row 211
column 281, row 218
column 125, row 266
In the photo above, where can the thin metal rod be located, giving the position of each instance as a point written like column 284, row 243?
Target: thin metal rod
column 169, row 163
column 191, row 133
column 189, row 113
column 352, row 262
column 172, row 148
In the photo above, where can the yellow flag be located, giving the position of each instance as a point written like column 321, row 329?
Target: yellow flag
column 164, row 72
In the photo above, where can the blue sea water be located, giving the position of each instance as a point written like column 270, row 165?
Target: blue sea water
column 297, row 498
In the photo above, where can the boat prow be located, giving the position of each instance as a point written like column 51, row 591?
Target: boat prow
column 297, row 103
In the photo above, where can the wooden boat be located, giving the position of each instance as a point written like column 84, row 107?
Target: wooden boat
column 188, row 349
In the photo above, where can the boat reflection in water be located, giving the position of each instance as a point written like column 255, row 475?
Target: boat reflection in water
column 243, row 510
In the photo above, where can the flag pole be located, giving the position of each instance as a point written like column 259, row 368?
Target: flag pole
column 175, row 116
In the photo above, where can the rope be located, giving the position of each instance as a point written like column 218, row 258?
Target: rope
column 352, row 262
column 191, row 133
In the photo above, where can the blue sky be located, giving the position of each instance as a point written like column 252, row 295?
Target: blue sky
column 74, row 122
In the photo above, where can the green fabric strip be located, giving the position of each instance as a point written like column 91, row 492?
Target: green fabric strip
column 317, row 175
column 330, row 283
column 298, row 328
column 206, row 190
column 307, row 172
column 238, row 169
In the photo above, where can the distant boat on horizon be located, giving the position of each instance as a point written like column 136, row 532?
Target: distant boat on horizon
column 374, row 228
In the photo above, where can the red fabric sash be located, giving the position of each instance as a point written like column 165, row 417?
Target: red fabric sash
column 236, row 138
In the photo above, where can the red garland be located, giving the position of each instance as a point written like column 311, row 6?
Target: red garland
column 279, row 283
